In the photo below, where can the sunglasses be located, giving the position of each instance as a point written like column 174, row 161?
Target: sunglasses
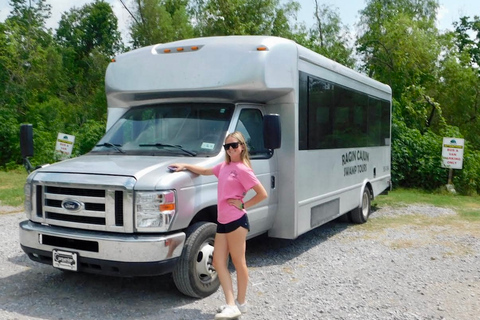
column 234, row 145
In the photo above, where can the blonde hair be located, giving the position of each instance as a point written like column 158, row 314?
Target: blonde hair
column 244, row 156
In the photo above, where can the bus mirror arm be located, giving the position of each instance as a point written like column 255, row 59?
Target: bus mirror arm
column 272, row 133
column 26, row 145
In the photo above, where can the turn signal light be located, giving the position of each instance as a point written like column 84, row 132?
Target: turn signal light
column 167, row 207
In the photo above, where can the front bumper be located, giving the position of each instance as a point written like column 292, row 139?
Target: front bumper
column 102, row 252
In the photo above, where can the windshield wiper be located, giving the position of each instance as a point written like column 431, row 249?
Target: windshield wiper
column 111, row 145
column 163, row 145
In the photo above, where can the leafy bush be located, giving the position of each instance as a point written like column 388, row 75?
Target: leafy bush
column 49, row 118
column 10, row 136
column 417, row 158
column 87, row 136
column 467, row 180
column 45, row 141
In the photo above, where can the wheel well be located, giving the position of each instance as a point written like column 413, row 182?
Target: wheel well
column 208, row 214
column 369, row 186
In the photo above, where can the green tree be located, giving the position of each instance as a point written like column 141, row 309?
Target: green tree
column 159, row 21
column 285, row 24
column 89, row 37
column 398, row 42
column 24, row 55
column 94, row 27
column 57, row 87
column 459, row 87
column 28, row 75
column 31, row 16
column 329, row 37
column 399, row 45
column 463, row 30
column 244, row 17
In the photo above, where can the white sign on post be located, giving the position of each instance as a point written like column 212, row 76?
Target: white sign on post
column 452, row 153
column 64, row 145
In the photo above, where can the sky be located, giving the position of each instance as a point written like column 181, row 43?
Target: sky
column 449, row 12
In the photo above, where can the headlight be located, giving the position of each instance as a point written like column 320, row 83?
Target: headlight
column 154, row 211
column 27, row 191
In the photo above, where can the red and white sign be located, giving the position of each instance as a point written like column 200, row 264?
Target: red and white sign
column 452, row 153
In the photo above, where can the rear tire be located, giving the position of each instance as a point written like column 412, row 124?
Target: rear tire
column 360, row 215
column 194, row 274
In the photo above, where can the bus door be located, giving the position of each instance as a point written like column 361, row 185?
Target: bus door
column 264, row 164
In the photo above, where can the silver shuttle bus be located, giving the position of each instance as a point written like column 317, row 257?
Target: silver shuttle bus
column 318, row 135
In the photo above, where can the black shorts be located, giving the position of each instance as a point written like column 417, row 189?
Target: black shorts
column 234, row 225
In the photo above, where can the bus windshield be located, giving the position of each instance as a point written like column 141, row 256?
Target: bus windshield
column 178, row 129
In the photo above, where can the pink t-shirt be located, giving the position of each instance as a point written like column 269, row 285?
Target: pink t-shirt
column 234, row 180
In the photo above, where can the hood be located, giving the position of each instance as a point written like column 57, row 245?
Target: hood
column 132, row 166
column 140, row 167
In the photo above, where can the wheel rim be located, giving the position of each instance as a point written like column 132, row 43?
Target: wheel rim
column 365, row 205
column 204, row 262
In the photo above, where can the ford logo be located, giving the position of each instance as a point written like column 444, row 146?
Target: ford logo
column 72, row 205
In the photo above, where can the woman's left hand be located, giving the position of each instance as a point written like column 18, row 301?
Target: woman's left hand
column 236, row 203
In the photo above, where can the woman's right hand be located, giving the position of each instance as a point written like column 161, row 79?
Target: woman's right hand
column 177, row 166
column 192, row 168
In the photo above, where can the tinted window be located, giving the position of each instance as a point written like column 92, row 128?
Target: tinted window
column 250, row 124
column 332, row 116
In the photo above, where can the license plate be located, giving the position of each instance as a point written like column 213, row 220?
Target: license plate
column 64, row 260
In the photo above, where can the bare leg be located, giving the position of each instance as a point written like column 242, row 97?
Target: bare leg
column 236, row 241
column 220, row 259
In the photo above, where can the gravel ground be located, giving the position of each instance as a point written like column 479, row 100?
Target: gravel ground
column 338, row 271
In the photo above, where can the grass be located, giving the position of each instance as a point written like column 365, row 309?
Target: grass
column 468, row 207
column 11, row 187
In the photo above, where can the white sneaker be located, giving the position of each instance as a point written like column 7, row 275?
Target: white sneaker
column 220, row 309
column 228, row 312
column 242, row 307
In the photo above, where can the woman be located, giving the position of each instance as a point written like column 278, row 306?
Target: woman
column 235, row 178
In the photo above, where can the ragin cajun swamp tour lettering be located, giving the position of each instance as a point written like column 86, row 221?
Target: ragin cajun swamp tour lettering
column 351, row 158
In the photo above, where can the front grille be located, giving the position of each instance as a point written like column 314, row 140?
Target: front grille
column 76, row 218
column 88, row 206
column 118, row 208
column 84, row 208
column 38, row 202
column 76, row 191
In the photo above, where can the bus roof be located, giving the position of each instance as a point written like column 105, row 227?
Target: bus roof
column 233, row 68
column 229, row 68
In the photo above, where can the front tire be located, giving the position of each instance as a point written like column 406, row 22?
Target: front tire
column 360, row 215
column 194, row 274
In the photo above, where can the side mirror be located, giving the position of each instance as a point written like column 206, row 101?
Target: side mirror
column 26, row 144
column 272, row 132
column 26, row 140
